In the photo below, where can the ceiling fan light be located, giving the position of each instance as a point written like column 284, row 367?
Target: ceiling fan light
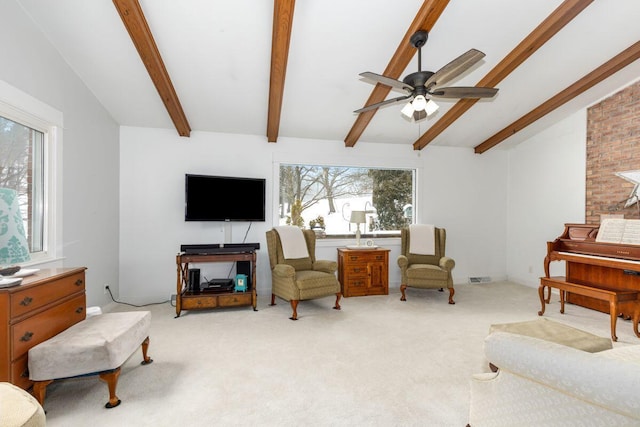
column 431, row 107
column 407, row 111
column 419, row 103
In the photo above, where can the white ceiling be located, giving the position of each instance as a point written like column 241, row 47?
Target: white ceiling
column 218, row 55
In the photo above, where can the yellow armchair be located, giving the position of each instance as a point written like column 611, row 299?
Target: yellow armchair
column 300, row 279
column 426, row 271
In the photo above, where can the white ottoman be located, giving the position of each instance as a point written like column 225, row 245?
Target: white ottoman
column 98, row 345
column 558, row 333
column 18, row 408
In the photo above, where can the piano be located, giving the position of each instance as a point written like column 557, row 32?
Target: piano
column 594, row 265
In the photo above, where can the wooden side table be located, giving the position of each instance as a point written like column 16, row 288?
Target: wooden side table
column 363, row 271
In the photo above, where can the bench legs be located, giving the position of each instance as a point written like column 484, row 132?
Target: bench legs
column 110, row 377
column 145, row 346
column 40, row 390
column 612, row 297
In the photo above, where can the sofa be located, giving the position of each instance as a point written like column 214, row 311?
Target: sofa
column 540, row 382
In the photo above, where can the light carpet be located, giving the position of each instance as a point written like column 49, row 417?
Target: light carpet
column 377, row 362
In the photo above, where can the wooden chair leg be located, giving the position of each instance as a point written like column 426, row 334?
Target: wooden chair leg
column 145, row 346
column 111, row 378
column 451, row 292
column 294, row 306
column 40, row 390
column 402, row 288
column 337, row 306
column 273, row 299
column 548, row 297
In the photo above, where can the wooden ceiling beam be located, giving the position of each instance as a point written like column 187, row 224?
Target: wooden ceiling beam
column 280, row 41
column 425, row 19
column 560, row 17
column 136, row 24
column 607, row 69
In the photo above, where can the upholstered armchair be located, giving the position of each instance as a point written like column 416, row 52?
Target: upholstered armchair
column 299, row 276
column 423, row 264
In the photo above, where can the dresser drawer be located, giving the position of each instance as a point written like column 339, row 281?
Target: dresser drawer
column 198, row 301
column 357, row 269
column 234, row 300
column 44, row 325
column 20, row 373
column 35, row 297
column 355, row 282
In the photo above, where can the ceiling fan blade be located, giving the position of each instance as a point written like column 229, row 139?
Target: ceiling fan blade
column 387, row 81
column 454, row 68
column 464, row 92
column 380, row 104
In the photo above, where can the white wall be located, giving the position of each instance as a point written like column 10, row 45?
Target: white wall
column 459, row 190
column 546, row 190
column 90, row 149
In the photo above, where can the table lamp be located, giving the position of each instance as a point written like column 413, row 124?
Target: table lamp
column 358, row 217
column 13, row 239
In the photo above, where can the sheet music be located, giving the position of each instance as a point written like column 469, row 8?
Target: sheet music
column 631, row 234
column 616, row 230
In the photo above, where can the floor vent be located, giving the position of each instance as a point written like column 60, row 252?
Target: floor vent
column 485, row 279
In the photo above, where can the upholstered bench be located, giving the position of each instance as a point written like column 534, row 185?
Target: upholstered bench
column 98, row 345
column 18, row 408
column 558, row 333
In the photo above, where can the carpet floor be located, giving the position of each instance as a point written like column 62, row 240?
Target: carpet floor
column 376, row 362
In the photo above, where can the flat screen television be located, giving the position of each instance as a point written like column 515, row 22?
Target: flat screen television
column 224, row 198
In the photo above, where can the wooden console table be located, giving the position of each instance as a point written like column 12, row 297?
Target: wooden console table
column 45, row 304
column 189, row 300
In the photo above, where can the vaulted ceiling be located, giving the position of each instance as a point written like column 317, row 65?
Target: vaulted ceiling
column 286, row 69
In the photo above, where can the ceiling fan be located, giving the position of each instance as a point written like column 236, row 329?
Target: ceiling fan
column 422, row 85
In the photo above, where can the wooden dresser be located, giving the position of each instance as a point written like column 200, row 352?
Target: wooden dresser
column 45, row 304
column 363, row 271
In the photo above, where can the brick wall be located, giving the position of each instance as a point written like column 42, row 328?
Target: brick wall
column 613, row 145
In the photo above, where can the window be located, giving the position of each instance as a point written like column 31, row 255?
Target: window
column 22, row 169
column 323, row 197
column 30, row 157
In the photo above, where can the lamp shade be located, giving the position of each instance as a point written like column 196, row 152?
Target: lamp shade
column 13, row 240
column 358, row 217
column 419, row 103
column 430, row 107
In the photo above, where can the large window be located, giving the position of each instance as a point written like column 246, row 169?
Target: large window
column 30, row 158
column 22, row 169
column 323, row 197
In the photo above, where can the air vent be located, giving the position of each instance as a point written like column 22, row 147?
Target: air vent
column 485, row 279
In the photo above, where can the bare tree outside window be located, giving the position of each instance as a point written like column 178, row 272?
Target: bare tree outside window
column 313, row 196
column 21, row 169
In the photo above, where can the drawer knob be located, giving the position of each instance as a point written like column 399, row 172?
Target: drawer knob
column 79, row 310
column 26, row 301
column 25, row 373
column 26, row 337
column 79, row 282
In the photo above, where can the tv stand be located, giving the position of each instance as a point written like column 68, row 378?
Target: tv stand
column 246, row 264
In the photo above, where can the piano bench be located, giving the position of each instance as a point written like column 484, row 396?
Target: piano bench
column 617, row 298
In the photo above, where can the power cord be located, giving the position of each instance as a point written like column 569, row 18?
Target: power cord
column 134, row 305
